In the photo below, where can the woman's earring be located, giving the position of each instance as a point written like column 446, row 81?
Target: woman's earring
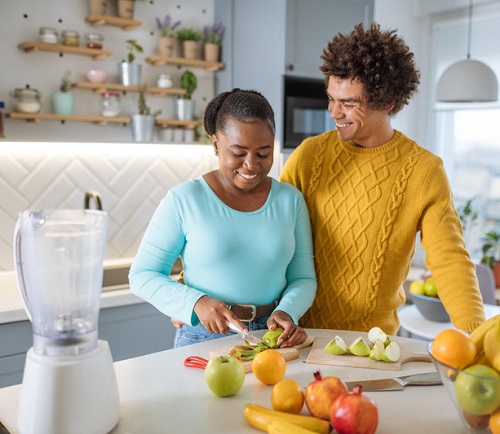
column 216, row 152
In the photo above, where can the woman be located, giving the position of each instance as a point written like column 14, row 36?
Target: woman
column 244, row 238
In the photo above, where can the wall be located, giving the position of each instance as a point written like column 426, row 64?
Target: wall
column 20, row 21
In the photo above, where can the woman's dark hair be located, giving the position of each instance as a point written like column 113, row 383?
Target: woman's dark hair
column 380, row 60
column 245, row 106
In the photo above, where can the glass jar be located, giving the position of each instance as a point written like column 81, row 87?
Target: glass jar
column 27, row 100
column 94, row 40
column 70, row 38
column 110, row 104
column 48, row 35
column 164, row 81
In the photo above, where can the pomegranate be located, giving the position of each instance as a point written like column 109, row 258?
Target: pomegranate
column 354, row 413
column 321, row 393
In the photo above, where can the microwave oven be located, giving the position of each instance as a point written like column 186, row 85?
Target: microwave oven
column 306, row 110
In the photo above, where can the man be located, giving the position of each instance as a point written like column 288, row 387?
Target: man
column 370, row 190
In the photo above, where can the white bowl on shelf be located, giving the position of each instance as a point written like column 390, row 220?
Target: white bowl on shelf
column 96, row 75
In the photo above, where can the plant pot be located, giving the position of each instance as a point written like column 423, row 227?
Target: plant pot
column 166, row 46
column 126, row 8
column 185, row 109
column 190, row 49
column 211, row 52
column 97, row 7
column 63, row 103
column 143, row 127
column 130, row 73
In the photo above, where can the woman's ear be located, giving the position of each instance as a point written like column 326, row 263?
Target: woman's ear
column 215, row 144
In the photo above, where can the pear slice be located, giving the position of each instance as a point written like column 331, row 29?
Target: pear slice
column 336, row 346
column 392, row 353
column 376, row 334
column 359, row 347
column 377, row 350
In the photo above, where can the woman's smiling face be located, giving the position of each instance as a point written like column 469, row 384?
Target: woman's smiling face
column 245, row 153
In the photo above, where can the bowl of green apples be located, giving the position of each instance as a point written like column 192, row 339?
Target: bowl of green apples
column 425, row 297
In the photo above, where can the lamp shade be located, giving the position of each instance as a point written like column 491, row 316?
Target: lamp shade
column 468, row 81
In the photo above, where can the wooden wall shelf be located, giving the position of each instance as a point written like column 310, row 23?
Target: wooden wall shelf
column 37, row 117
column 163, row 123
column 124, row 23
column 181, row 61
column 102, row 87
column 96, row 54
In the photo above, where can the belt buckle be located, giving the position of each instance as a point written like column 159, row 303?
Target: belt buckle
column 252, row 308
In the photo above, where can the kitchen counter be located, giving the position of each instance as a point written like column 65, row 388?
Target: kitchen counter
column 159, row 395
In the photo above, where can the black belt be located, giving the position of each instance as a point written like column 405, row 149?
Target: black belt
column 249, row 312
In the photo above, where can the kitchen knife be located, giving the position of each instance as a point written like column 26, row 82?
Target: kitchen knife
column 397, row 383
column 247, row 336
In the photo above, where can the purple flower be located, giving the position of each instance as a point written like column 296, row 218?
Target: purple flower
column 167, row 29
column 214, row 33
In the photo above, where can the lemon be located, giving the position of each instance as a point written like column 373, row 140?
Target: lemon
column 288, row 396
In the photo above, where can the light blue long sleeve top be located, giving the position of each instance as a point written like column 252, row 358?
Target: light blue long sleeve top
column 237, row 257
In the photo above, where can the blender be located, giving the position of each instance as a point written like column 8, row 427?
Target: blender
column 69, row 383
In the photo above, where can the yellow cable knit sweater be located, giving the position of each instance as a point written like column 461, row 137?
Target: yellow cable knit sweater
column 366, row 207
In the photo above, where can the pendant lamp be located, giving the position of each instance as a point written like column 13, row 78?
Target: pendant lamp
column 468, row 80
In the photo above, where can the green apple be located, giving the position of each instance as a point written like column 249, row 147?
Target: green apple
column 336, row 346
column 430, row 288
column 377, row 350
column 417, row 286
column 391, row 353
column 376, row 334
column 477, row 389
column 271, row 337
column 359, row 347
column 224, row 375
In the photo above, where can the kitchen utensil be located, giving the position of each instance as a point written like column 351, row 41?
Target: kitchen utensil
column 195, row 362
column 69, row 373
column 247, row 336
column 397, row 383
column 318, row 356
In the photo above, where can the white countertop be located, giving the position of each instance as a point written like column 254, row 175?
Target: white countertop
column 159, row 395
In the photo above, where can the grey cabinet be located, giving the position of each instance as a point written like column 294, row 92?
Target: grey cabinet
column 131, row 331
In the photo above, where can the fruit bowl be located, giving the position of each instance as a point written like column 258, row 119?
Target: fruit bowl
column 430, row 307
column 469, row 390
column 96, row 75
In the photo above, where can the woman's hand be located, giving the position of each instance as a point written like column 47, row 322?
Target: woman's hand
column 214, row 315
column 292, row 334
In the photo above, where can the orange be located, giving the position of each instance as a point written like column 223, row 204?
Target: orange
column 287, row 396
column 495, row 422
column 454, row 348
column 269, row 366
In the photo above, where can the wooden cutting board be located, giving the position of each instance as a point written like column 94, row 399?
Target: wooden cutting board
column 318, row 356
column 287, row 353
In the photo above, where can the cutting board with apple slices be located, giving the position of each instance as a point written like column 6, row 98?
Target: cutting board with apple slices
column 317, row 355
column 287, row 353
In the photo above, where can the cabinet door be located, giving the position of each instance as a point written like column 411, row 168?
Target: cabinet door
column 312, row 24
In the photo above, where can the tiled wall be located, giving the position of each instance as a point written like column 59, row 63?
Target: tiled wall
column 131, row 179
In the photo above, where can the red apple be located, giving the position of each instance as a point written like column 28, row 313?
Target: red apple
column 354, row 413
column 321, row 393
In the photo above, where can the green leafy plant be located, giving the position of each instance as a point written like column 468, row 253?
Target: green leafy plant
column 491, row 248
column 143, row 107
column 188, row 34
column 214, row 33
column 133, row 46
column 189, row 83
column 468, row 216
column 65, row 85
column 167, row 27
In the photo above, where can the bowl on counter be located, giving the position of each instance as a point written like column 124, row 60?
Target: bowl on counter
column 474, row 396
column 96, row 75
column 430, row 307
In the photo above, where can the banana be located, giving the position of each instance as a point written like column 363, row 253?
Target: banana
column 261, row 417
column 492, row 346
column 278, row 427
column 479, row 332
column 481, row 359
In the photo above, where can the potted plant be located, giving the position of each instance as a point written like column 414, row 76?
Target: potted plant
column 212, row 38
column 130, row 72
column 189, row 38
column 97, row 7
column 185, row 104
column 143, row 122
column 126, row 8
column 167, row 39
column 63, row 102
column 491, row 253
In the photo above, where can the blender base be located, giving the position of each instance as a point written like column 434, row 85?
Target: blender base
column 69, row 394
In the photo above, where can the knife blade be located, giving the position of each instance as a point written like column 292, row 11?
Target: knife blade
column 247, row 336
column 397, row 383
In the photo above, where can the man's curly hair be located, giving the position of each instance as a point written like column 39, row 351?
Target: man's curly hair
column 380, row 60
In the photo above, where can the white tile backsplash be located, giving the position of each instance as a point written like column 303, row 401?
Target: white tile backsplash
column 131, row 184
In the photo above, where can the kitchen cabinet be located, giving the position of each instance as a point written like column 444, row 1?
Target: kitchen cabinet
column 131, row 331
